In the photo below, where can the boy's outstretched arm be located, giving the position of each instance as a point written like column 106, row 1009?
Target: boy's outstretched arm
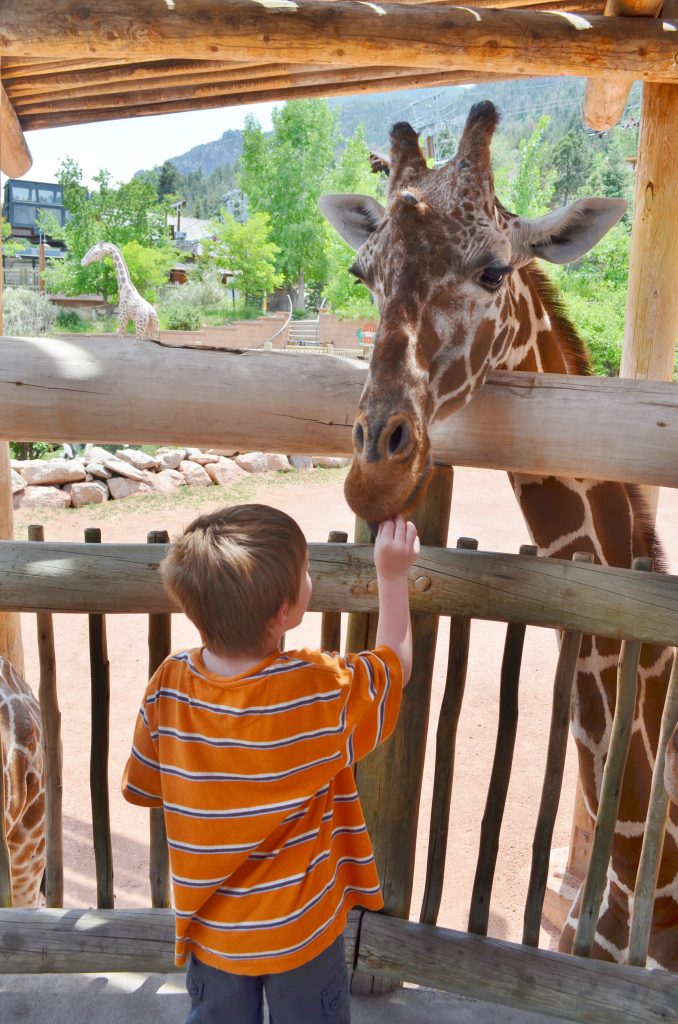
column 395, row 550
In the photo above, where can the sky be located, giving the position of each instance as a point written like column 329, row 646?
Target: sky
column 128, row 145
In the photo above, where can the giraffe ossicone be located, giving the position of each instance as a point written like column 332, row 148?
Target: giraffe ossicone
column 24, row 785
column 460, row 293
column 131, row 305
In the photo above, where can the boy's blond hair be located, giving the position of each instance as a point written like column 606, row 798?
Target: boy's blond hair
column 230, row 572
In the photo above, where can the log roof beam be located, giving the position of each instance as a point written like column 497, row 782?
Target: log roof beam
column 605, row 99
column 313, row 31
column 15, row 156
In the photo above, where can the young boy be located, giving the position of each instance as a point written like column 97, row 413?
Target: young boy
column 249, row 752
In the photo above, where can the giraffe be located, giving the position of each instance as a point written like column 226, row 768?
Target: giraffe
column 131, row 305
column 24, row 785
column 459, row 292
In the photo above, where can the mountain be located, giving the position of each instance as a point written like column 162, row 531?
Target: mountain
column 210, row 155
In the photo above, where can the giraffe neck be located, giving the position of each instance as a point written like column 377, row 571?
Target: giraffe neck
column 121, row 271
column 610, row 521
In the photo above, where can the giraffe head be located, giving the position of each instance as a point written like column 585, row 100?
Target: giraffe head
column 97, row 252
column 442, row 261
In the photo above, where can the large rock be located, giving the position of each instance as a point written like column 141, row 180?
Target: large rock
column 301, row 461
column 121, row 487
column 124, row 469
column 92, row 493
column 18, row 482
column 140, row 460
column 97, row 470
column 204, row 458
column 167, row 481
column 277, row 463
column 172, row 459
column 194, row 475
column 42, row 497
column 55, row 472
column 252, row 462
column 225, row 472
column 93, row 452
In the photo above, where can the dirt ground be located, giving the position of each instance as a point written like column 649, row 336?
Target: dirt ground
column 483, row 507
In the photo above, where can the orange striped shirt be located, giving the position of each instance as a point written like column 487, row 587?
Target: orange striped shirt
column 267, row 840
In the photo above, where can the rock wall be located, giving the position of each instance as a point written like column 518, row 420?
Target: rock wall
column 99, row 475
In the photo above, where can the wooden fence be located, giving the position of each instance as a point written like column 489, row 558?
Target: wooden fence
column 576, row 597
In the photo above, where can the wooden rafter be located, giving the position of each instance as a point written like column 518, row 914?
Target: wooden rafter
column 15, row 156
column 312, row 31
column 605, row 99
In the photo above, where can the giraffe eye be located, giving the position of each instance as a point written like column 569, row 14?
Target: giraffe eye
column 493, row 277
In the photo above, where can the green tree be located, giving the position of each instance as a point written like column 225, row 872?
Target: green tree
column 531, row 190
column 573, row 161
column 148, row 267
column 9, row 245
column 246, row 249
column 283, row 176
column 345, row 294
column 169, row 180
column 120, row 214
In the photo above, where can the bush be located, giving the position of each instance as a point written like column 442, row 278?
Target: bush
column 69, row 320
column 27, row 313
column 599, row 321
column 182, row 318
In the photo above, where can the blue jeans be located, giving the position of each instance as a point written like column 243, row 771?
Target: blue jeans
column 315, row 993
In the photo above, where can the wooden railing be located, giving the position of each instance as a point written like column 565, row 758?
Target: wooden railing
column 575, row 597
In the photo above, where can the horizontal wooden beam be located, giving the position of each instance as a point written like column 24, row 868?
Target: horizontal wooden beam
column 353, row 33
column 509, row 974
column 98, row 386
column 493, row 970
column 15, row 156
column 124, row 579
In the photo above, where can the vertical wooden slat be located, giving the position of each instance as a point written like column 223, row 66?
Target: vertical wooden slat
column 98, row 765
column 608, row 806
column 50, row 715
column 392, row 810
column 490, row 828
column 330, row 628
column 446, row 736
column 361, row 625
column 159, row 646
column 566, row 670
column 655, row 829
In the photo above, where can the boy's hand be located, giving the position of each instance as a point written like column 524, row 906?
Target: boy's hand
column 396, row 548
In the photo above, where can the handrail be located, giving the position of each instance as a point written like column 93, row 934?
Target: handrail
column 268, row 341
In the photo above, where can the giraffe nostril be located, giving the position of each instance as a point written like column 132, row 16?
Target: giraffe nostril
column 398, row 439
column 358, row 437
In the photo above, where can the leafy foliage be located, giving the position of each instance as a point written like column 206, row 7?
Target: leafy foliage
column 27, row 313
column 531, row 190
column 247, row 250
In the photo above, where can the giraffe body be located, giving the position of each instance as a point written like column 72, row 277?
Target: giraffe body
column 131, row 305
column 460, row 294
column 24, row 785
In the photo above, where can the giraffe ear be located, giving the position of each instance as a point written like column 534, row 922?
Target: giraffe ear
column 355, row 217
column 566, row 234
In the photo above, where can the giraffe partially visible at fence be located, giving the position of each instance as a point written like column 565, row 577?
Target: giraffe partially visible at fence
column 460, row 294
column 131, row 305
column 24, row 785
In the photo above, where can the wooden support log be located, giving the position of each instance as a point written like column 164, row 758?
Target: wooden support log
column 392, row 812
column 15, row 156
column 500, row 777
column 446, row 738
column 651, row 326
column 310, row 31
column 605, row 99
column 50, row 716
column 598, row 599
column 590, row 427
column 99, row 745
column 330, row 626
column 159, row 646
